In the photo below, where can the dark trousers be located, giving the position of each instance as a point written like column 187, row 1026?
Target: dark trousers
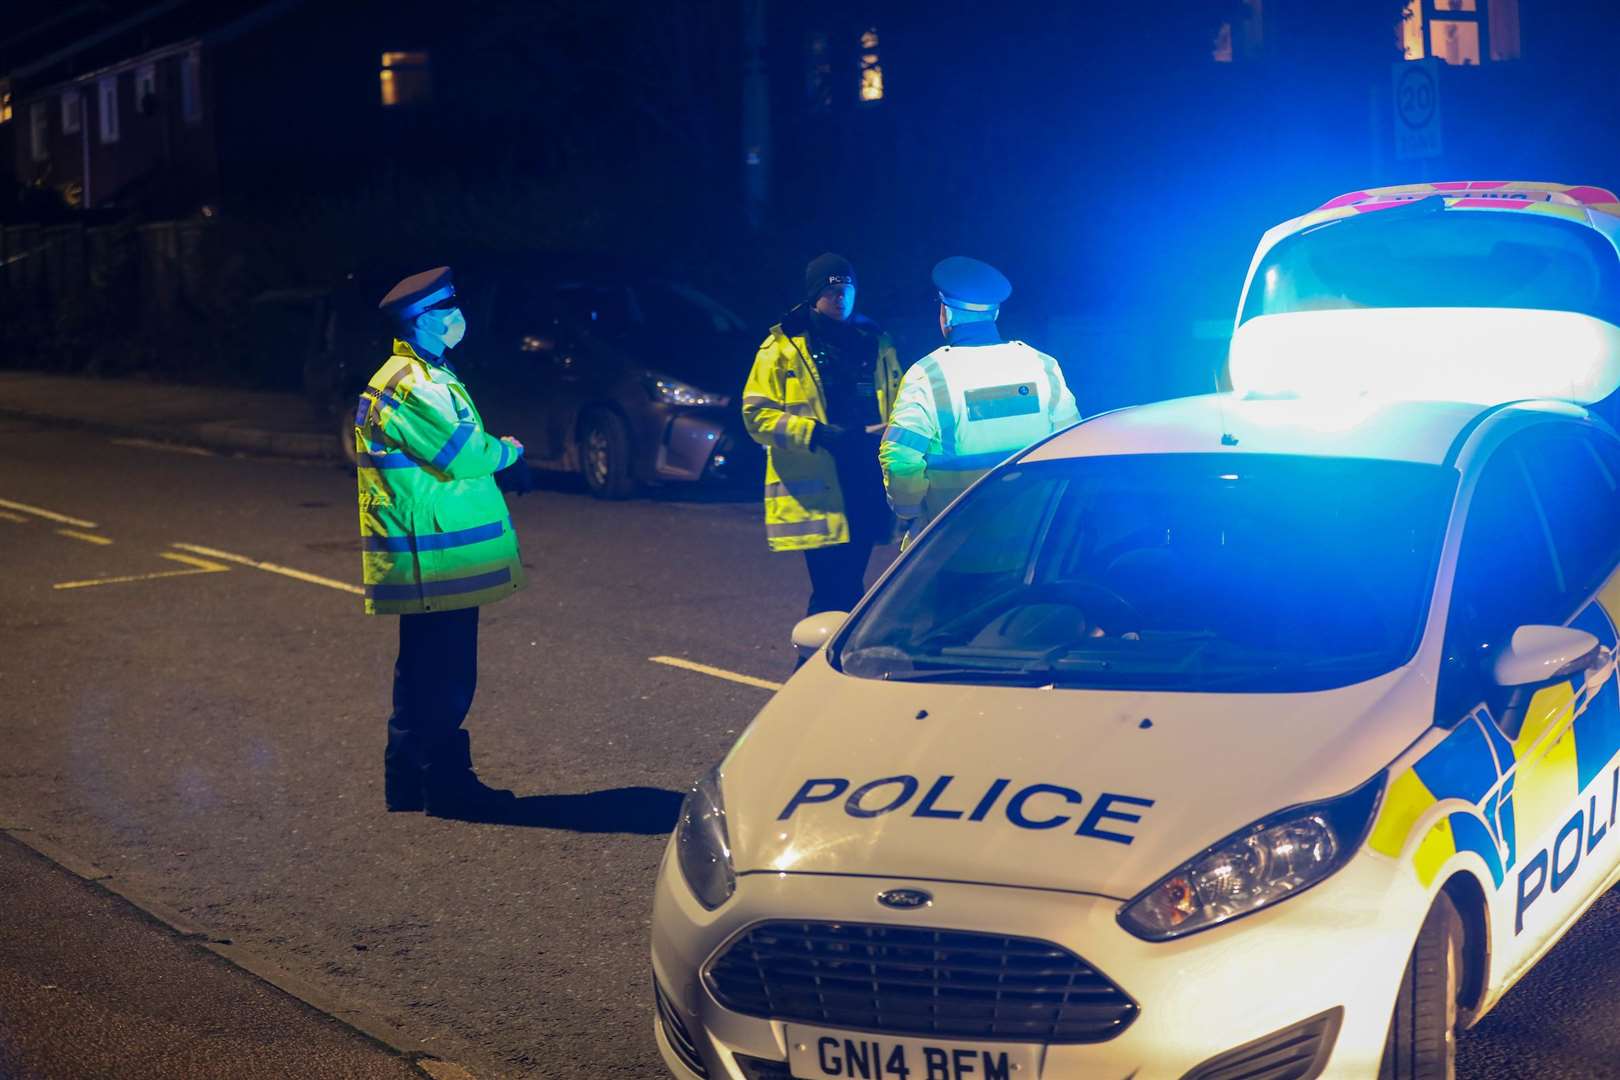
column 434, row 681
column 838, row 575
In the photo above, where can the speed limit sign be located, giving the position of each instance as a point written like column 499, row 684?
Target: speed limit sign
column 1417, row 109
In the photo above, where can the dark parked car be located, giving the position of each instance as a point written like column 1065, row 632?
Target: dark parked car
column 623, row 377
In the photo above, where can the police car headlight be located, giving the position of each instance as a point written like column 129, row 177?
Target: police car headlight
column 702, row 846
column 674, row 392
column 1268, row 861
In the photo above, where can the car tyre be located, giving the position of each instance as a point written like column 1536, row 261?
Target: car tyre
column 343, row 427
column 1422, row 1040
column 604, row 456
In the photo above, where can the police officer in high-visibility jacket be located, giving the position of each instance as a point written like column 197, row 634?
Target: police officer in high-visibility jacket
column 436, row 543
column 817, row 398
column 970, row 404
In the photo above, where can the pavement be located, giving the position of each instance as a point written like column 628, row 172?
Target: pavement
column 221, row 419
column 93, row 987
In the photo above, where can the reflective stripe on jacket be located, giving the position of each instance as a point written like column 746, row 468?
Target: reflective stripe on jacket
column 962, row 411
column 782, row 403
column 435, row 533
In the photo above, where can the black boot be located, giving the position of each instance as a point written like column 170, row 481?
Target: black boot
column 451, row 789
column 402, row 785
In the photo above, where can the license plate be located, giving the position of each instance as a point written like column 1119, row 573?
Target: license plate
column 820, row 1054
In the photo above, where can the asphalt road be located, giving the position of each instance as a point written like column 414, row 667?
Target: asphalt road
column 90, row 987
column 212, row 738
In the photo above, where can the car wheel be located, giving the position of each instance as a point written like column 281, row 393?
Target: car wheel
column 604, row 456
column 1422, row 1040
column 344, row 429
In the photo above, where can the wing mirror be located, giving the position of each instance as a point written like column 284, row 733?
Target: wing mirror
column 1541, row 653
column 812, row 632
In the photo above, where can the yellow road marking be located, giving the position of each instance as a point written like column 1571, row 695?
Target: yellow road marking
column 90, row 538
column 152, row 444
column 203, row 566
column 718, row 673
column 7, row 515
column 48, row 515
column 286, row 571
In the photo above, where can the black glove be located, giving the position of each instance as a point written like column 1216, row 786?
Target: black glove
column 516, row 479
column 827, row 437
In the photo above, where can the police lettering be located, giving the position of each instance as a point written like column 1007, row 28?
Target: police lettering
column 1029, row 806
column 1556, row 865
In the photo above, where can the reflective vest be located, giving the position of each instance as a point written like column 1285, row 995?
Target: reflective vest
column 435, row 533
column 782, row 404
column 963, row 410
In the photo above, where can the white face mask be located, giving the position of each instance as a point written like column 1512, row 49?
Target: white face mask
column 455, row 328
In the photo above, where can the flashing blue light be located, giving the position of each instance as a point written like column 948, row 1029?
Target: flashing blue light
column 1483, row 355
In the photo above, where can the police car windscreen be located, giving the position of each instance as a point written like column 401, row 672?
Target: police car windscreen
column 1183, row 572
column 1409, row 257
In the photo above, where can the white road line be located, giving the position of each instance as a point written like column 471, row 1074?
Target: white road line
column 173, row 448
column 7, row 515
column 89, row 538
column 273, row 568
column 48, row 515
column 718, row 673
column 203, row 566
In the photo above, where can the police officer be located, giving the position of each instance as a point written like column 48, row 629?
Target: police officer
column 436, row 543
column 970, row 404
column 817, row 398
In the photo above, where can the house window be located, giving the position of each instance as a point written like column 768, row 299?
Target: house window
column 72, row 112
column 5, row 101
column 1460, row 32
column 107, row 106
column 1239, row 39
column 871, row 68
column 191, row 88
column 818, row 82
column 39, row 130
column 146, row 89
column 406, row 79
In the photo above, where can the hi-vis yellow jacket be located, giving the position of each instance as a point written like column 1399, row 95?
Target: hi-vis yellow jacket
column 435, row 533
column 963, row 410
column 783, row 402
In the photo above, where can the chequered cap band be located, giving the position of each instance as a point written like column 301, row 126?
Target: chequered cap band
column 964, row 305
column 411, row 311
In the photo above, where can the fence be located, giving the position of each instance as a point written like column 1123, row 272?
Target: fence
column 116, row 297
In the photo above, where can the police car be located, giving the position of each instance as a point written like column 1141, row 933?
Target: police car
column 1270, row 734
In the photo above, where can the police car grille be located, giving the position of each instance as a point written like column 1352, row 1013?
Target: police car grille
column 913, row 981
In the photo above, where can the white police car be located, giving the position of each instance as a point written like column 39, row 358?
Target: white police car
column 1241, row 735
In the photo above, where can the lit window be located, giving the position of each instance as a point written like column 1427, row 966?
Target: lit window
column 39, row 130
column 871, row 68
column 1460, row 32
column 5, row 101
column 146, row 89
column 107, row 106
column 72, row 112
column 405, row 79
column 1240, row 39
column 191, row 88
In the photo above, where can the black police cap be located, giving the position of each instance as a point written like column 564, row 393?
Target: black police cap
column 417, row 293
column 969, row 284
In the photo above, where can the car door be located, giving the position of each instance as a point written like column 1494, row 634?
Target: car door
column 529, row 359
column 1532, row 554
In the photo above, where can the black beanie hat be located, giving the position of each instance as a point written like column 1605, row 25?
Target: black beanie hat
column 822, row 270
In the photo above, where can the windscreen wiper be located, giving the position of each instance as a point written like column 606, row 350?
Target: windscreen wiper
column 1026, row 676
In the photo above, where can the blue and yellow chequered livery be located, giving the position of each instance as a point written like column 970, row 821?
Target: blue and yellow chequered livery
column 1506, row 796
